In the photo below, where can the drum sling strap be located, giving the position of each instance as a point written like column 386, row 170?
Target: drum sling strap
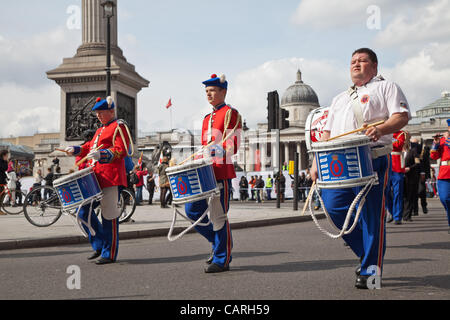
column 358, row 113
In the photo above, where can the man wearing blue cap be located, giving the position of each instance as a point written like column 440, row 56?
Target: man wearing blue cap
column 220, row 130
column 106, row 153
column 441, row 150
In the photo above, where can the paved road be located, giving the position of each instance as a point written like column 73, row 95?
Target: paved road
column 292, row 261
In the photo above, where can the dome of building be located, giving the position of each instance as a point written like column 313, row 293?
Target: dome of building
column 299, row 93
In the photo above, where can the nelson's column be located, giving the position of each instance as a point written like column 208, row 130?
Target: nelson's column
column 82, row 78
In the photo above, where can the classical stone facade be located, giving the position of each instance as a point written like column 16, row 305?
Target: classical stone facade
column 431, row 119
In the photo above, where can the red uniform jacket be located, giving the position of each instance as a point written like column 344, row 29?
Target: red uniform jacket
column 223, row 168
column 398, row 161
column 442, row 150
column 113, row 172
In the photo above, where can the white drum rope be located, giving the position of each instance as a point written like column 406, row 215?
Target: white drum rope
column 194, row 223
column 361, row 198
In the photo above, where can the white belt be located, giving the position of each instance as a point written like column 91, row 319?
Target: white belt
column 445, row 163
column 402, row 158
column 381, row 151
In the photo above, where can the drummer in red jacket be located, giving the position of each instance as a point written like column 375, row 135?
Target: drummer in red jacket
column 221, row 126
column 441, row 150
column 109, row 166
column 394, row 197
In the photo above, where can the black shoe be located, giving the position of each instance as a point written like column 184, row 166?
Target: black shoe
column 103, row 261
column 361, row 282
column 358, row 269
column 210, row 259
column 425, row 211
column 398, row 222
column 214, row 268
column 95, row 255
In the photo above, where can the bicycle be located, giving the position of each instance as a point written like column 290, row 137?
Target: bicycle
column 42, row 206
column 5, row 200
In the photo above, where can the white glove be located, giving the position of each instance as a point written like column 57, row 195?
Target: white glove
column 95, row 155
column 70, row 150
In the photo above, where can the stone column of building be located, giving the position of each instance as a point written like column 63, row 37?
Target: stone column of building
column 251, row 151
column 300, row 158
column 263, row 155
column 275, row 155
column 286, row 152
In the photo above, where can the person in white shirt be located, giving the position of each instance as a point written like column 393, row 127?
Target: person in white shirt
column 370, row 99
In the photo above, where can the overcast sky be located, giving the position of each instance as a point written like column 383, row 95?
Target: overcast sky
column 257, row 44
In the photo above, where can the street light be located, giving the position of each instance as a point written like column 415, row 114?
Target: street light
column 108, row 13
column 245, row 128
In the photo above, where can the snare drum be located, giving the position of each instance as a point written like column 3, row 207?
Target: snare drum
column 77, row 188
column 344, row 163
column 192, row 182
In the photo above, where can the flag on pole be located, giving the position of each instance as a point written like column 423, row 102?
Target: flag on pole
column 169, row 104
column 140, row 161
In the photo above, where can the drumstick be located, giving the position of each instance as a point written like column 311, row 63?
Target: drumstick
column 62, row 150
column 85, row 158
column 357, row 130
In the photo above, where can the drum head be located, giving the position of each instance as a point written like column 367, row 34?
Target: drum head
column 72, row 176
column 189, row 166
column 314, row 125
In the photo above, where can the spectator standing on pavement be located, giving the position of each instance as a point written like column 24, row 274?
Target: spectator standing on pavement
column 252, row 183
column 282, row 186
column 243, row 188
column 269, row 186
column 259, row 189
column 12, row 179
column 169, row 196
column 163, row 181
column 48, row 182
column 301, row 186
column 151, row 187
column 3, row 168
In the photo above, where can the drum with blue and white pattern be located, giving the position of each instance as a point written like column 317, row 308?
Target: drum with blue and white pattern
column 77, row 188
column 192, row 182
column 344, row 163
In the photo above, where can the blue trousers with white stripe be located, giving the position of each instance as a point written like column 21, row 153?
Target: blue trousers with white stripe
column 106, row 237
column 394, row 195
column 221, row 241
column 444, row 195
column 368, row 239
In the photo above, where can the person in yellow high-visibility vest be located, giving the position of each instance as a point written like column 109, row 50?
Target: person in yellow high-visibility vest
column 269, row 186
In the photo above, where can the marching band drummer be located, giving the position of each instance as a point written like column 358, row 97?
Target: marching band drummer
column 394, row 202
column 441, row 150
column 109, row 167
column 216, row 126
column 370, row 99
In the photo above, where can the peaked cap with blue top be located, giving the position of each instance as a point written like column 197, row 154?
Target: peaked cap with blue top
column 448, row 122
column 216, row 81
column 107, row 104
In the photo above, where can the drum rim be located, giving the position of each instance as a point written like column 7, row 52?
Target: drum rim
column 69, row 177
column 348, row 183
column 196, row 197
column 189, row 166
column 349, row 142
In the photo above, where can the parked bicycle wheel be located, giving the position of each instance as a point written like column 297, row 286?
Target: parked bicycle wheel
column 14, row 208
column 42, row 207
column 127, row 204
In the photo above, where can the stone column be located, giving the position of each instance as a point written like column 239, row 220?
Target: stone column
column 300, row 157
column 286, row 152
column 94, row 30
column 263, row 154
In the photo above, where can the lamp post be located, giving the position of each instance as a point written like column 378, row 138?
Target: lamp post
column 245, row 128
column 108, row 13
